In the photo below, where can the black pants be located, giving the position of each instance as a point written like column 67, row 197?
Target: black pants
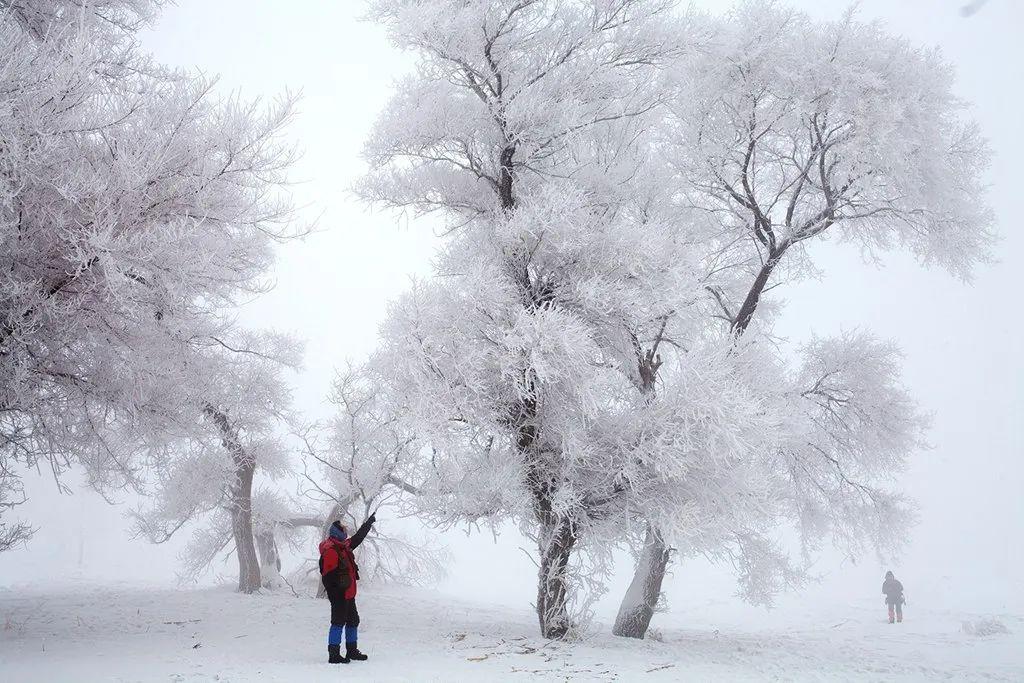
column 343, row 611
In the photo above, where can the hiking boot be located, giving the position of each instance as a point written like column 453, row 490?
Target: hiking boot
column 354, row 653
column 334, row 655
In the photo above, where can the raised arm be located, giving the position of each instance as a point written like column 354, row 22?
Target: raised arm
column 358, row 537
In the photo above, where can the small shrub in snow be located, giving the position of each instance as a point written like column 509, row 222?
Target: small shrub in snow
column 989, row 626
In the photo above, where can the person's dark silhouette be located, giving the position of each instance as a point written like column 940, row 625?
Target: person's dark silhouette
column 894, row 599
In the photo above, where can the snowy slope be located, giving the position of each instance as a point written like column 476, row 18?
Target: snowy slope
column 137, row 634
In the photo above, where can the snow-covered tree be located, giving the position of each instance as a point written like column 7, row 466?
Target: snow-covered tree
column 786, row 130
column 352, row 466
column 355, row 465
column 365, row 447
column 500, row 92
column 525, row 129
column 852, row 427
column 208, row 470
column 136, row 209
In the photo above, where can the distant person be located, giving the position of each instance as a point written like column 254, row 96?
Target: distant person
column 894, row 599
column 340, row 574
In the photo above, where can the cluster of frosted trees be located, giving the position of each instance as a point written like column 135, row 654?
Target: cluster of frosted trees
column 623, row 182
column 136, row 210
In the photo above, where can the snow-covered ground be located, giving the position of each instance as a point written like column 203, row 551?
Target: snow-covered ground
column 131, row 633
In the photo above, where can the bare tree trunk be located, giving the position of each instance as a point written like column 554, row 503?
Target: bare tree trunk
column 557, row 538
column 241, row 503
column 241, row 527
column 270, row 557
column 269, row 552
column 556, row 535
column 753, row 298
column 266, row 545
column 641, row 598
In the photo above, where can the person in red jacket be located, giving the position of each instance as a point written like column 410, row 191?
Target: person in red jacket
column 340, row 574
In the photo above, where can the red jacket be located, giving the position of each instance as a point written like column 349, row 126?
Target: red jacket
column 338, row 568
